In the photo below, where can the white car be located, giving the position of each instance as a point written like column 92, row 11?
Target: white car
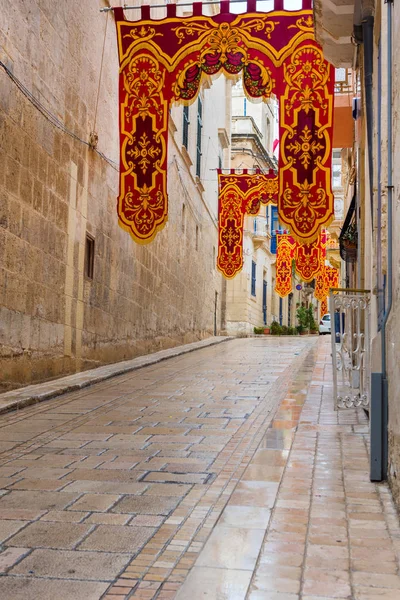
column 325, row 324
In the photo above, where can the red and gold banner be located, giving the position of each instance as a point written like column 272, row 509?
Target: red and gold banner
column 328, row 278
column 285, row 253
column 306, row 131
column 310, row 258
column 240, row 194
column 331, row 278
column 323, row 308
column 165, row 61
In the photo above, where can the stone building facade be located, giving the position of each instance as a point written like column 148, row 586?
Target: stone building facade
column 373, row 182
column 251, row 300
column 75, row 290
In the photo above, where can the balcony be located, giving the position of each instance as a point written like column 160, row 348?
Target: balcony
column 334, row 29
column 259, row 233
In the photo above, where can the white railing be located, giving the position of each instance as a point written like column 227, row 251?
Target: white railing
column 350, row 327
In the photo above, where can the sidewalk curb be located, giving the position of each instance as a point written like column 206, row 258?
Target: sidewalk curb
column 32, row 394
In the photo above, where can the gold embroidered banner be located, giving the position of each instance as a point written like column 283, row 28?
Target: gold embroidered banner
column 306, row 131
column 328, row 278
column 323, row 308
column 240, row 194
column 165, row 61
column 310, row 258
column 285, row 253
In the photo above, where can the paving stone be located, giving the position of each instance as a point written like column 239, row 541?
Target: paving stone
column 22, row 588
column 47, row 485
column 168, row 477
column 94, row 502
column 8, row 528
column 108, row 519
column 64, row 516
column 167, row 489
column 102, row 566
column 225, row 402
column 36, row 500
column 10, row 556
column 146, row 505
column 206, row 583
column 50, row 535
column 117, row 538
column 105, row 487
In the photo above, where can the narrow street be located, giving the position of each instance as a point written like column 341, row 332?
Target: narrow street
column 221, row 474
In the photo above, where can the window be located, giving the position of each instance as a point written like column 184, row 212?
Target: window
column 264, row 304
column 197, row 237
column 255, row 224
column 89, row 256
column 185, row 136
column 342, row 80
column 245, row 107
column 183, row 224
column 336, row 176
column 213, row 265
column 253, row 277
column 289, row 317
column 274, row 227
column 199, row 128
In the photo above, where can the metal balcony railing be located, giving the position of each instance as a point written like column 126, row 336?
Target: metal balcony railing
column 350, row 334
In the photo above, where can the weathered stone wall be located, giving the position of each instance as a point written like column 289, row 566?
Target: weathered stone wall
column 54, row 189
column 393, row 327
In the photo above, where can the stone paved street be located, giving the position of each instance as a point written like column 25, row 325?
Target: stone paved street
column 223, row 474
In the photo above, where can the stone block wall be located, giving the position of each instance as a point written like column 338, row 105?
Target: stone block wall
column 54, row 190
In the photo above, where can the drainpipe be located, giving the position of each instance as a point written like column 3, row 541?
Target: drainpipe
column 385, row 411
column 367, row 24
column 379, row 381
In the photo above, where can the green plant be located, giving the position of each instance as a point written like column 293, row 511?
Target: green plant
column 285, row 330
column 305, row 317
column 258, row 330
column 276, row 329
column 350, row 235
column 311, row 321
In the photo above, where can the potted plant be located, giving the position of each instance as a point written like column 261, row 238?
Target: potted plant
column 303, row 319
column 276, row 329
column 311, row 321
column 267, row 330
column 349, row 238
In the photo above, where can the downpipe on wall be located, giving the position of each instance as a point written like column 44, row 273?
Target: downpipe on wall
column 379, row 381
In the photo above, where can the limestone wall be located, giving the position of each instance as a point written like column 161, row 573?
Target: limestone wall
column 54, row 189
column 393, row 328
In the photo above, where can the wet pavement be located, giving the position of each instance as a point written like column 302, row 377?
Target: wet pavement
column 221, row 474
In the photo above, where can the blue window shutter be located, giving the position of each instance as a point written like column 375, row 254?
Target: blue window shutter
column 253, row 278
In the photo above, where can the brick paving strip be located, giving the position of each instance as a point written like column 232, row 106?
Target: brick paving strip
column 111, row 491
column 182, row 480
column 331, row 532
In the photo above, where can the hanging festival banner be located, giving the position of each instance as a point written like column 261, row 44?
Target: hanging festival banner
column 306, row 130
column 285, row 253
column 239, row 194
column 331, row 278
column 310, row 258
column 328, row 278
column 165, row 61
column 323, row 308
